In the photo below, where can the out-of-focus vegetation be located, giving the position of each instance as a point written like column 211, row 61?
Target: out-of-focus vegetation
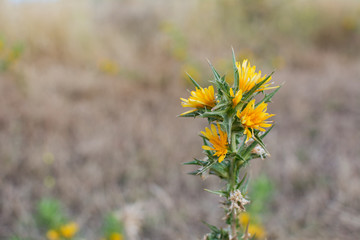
column 88, row 107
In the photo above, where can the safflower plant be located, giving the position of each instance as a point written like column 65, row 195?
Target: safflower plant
column 239, row 122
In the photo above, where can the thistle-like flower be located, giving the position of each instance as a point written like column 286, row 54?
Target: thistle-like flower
column 248, row 77
column 219, row 142
column 200, row 98
column 236, row 97
column 254, row 118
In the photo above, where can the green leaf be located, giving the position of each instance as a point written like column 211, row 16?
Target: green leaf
column 193, row 81
column 220, row 169
column 213, row 113
column 242, row 181
column 227, row 124
column 221, row 193
column 252, row 145
column 191, row 114
column 195, row 162
column 212, row 227
column 236, row 72
column 220, row 82
column 260, row 142
column 268, row 97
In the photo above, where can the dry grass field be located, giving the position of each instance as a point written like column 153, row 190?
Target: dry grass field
column 88, row 113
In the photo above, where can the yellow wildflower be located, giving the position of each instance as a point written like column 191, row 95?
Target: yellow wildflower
column 244, row 219
column 69, row 230
column 219, row 142
column 254, row 118
column 108, row 66
column 256, row 230
column 248, row 77
column 200, row 98
column 52, row 235
column 1, row 45
column 237, row 97
column 116, row 236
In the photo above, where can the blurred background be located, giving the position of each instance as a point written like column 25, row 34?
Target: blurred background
column 89, row 94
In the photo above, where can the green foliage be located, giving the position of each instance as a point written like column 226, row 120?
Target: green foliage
column 112, row 225
column 261, row 190
column 50, row 214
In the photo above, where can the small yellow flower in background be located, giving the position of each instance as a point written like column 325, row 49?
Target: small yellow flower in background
column 219, row 142
column 248, row 77
column 200, row 98
column 108, row 66
column 69, row 230
column 116, row 236
column 256, row 230
column 52, row 235
column 236, row 98
column 254, row 118
column 1, row 45
column 244, row 219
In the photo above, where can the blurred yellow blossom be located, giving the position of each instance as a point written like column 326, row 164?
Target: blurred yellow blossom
column 109, row 66
column 52, row 235
column 256, row 230
column 116, row 236
column 244, row 219
column 69, row 230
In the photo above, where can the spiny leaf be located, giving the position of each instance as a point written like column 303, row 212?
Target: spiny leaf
column 219, row 192
column 195, row 162
column 252, row 145
column 242, row 181
column 236, row 72
column 190, row 114
column 268, row 97
column 212, row 227
column 193, row 81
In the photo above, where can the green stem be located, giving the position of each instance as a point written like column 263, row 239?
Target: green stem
column 233, row 170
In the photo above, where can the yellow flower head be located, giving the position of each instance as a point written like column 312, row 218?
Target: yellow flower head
column 256, row 230
column 248, row 77
column 244, row 219
column 116, row 236
column 1, row 45
column 254, row 118
column 219, row 142
column 108, row 66
column 52, row 235
column 200, row 98
column 236, row 97
column 69, row 230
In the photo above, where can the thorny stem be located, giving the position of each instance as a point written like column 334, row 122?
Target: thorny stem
column 233, row 235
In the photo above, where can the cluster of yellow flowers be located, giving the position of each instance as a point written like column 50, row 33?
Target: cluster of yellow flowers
column 252, row 117
column 66, row 231
column 238, row 119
